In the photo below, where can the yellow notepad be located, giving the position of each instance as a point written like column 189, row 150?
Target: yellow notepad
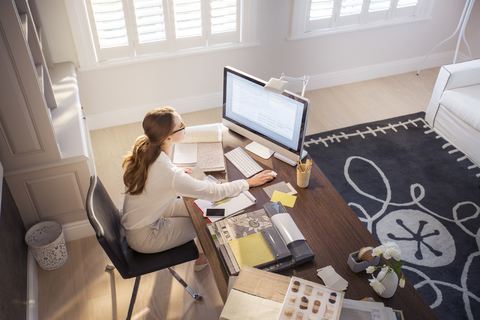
column 252, row 250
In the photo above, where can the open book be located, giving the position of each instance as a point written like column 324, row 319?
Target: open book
column 202, row 147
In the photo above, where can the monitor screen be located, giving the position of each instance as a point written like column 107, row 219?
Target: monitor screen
column 276, row 121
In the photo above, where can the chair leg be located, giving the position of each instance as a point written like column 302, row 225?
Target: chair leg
column 195, row 295
column 134, row 297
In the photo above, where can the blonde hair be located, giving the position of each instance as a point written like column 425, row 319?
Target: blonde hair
column 158, row 125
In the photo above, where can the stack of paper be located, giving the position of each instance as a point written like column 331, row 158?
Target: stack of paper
column 185, row 155
column 365, row 310
column 202, row 147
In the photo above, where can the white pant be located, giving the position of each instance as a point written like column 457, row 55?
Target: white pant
column 173, row 229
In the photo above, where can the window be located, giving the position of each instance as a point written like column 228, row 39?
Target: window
column 113, row 29
column 315, row 17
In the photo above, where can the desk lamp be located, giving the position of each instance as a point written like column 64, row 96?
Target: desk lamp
column 279, row 85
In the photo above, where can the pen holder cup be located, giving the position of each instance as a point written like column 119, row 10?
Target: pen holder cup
column 303, row 177
column 356, row 265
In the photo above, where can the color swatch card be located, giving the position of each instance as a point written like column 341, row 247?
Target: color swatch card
column 286, row 199
column 281, row 186
column 306, row 300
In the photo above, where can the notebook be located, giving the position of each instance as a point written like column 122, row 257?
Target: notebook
column 244, row 200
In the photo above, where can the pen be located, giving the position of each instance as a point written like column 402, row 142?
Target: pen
column 221, row 201
column 309, row 165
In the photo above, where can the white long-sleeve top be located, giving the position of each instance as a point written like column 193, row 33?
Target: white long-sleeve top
column 166, row 182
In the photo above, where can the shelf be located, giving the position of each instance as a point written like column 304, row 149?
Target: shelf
column 68, row 118
column 33, row 36
column 49, row 95
column 24, row 20
column 39, row 69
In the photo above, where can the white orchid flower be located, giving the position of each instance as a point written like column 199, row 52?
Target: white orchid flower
column 377, row 251
column 370, row 269
column 376, row 285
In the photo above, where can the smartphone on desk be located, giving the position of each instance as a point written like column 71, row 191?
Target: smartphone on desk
column 215, row 212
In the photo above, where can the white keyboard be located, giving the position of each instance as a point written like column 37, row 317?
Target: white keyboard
column 243, row 162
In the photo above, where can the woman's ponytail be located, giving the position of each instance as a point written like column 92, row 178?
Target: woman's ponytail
column 158, row 126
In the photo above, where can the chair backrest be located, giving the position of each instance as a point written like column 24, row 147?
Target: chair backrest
column 104, row 217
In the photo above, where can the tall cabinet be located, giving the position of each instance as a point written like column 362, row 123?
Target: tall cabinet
column 44, row 144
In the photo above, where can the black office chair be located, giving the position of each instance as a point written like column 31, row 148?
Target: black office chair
column 105, row 219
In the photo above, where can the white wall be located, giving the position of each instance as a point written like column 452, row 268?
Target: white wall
column 122, row 94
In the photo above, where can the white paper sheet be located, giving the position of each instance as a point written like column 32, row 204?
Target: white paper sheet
column 185, row 153
column 332, row 279
column 244, row 306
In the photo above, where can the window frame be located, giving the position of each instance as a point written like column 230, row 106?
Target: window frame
column 90, row 58
column 300, row 19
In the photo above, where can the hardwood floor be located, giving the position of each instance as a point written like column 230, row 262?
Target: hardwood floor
column 83, row 290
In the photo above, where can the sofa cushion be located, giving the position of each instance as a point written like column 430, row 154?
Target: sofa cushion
column 464, row 103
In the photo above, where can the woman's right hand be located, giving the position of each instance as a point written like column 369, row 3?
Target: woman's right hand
column 260, row 178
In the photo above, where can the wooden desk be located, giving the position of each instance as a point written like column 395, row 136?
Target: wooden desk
column 331, row 228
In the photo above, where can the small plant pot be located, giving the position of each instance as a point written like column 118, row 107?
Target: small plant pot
column 356, row 265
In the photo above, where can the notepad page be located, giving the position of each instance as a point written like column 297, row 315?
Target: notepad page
column 251, row 250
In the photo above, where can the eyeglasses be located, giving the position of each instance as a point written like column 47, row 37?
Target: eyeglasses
column 181, row 128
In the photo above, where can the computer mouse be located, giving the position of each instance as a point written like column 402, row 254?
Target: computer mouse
column 273, row 173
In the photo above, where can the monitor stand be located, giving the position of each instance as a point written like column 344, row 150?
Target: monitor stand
column 266, row 153
column 290, row 162
column 259, row 150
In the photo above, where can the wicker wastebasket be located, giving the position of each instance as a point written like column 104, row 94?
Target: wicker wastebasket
column 47, row 244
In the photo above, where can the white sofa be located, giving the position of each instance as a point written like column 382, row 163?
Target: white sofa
column 454, row 109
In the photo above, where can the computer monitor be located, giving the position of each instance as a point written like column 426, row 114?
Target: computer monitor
column 275, row 122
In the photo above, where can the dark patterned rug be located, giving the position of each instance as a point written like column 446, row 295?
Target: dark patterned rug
column 409, row 185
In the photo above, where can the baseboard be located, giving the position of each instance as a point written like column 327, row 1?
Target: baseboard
column 319, row 81
column 77, row 230
column 32, row 287
column 379, row 71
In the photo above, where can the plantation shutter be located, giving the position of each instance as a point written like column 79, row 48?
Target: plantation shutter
column 129, row 28
column 320, row 15
column 110, row 27
column 406, row 8
column 350, row 13
column 224, row 26
column 150, row 26
column 323, row 14
column 188, row 17
column 378, row 10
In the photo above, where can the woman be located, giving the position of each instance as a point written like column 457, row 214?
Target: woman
column 155, row 218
